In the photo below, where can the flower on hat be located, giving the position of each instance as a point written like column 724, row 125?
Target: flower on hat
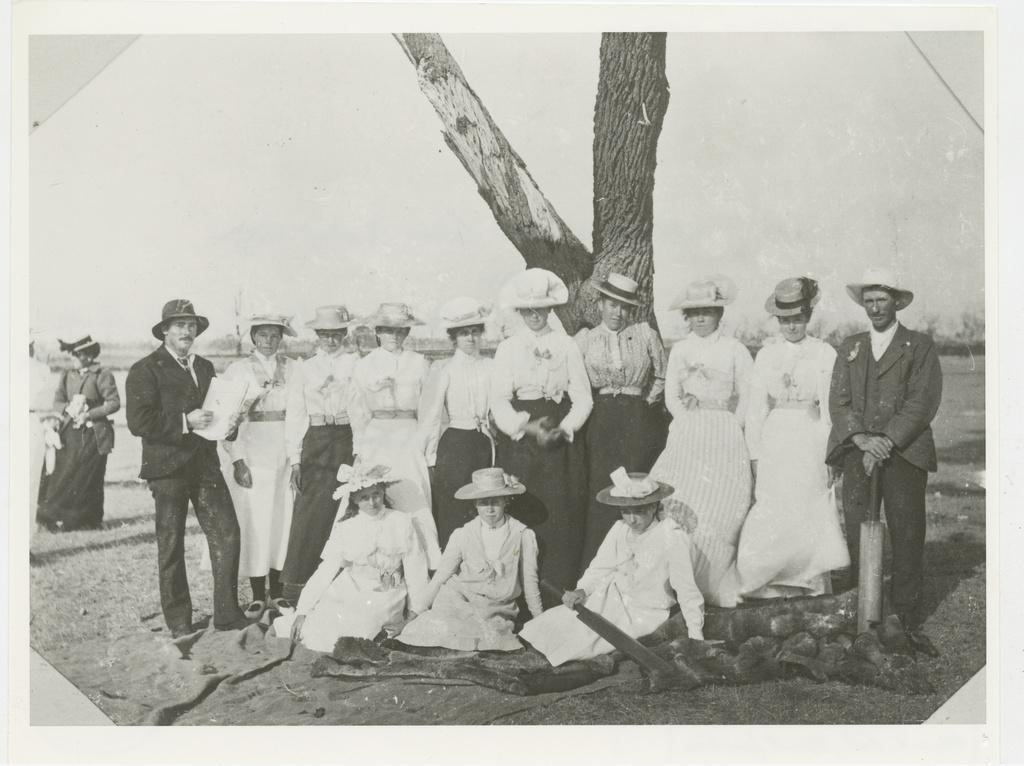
column 356, row 477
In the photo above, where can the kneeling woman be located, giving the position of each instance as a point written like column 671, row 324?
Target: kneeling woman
column 373, row 569
column 641, row 569
column 488, row 563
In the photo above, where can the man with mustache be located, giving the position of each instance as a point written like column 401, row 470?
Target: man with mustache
column 165, row 393
column 886, row 389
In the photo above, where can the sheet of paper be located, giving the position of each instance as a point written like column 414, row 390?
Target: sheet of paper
column 224, row 399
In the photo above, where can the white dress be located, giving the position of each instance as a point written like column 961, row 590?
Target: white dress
column 705, row 456
column 264, row 511
column 386, row 402
column 791, row 538
column 371, row 570
column 632, row 582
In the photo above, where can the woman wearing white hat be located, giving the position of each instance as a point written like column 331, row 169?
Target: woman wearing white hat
column 387, row 391
column 791, row 538
column 540, row 398
column 318, row 440
column 626, row 365
column 460, row 389
column 706, row 457
column 259, row 474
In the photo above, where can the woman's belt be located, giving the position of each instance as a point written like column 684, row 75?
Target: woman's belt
column 266, row 416
column 466, row 424
column 328, row 420
column 794, row 404
column 394, row 414
column 620, row 391
column 713, row 404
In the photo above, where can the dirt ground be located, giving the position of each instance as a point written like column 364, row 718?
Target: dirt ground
column 95, row 615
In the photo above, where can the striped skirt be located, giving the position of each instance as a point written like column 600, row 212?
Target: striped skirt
column 707, row 462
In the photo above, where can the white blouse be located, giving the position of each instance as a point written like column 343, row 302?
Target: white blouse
column 544, row 365
column 789, row 374
column 715, row 369
column 460, row 387
column 319, row 386
column 386, row 381
column 648, row 567
column 268, row 379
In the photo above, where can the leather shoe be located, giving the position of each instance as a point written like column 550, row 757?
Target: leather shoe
column 919, row 642
column 177, row 631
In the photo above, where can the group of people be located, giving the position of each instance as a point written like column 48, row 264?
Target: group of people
column 349, row 479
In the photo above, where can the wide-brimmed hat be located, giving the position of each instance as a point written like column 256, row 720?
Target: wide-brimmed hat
column 463, row 312
column 887, row 279
column 792, row 296
column 330, row 318
column 710, row 292
column 490, row 482
column 534, row 289
column 392, row 315
column 274, row 320
column 633, row 489
column 179, row 308
column 619, row 287
column 358, row 476
column 80, row 346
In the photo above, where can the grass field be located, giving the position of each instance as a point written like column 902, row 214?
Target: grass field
column 102, row 585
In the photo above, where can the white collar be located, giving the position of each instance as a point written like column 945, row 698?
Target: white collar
column 462, row 357
column 267, row 360
column 711, row 338
column 534, row 335
column 885, row 334
column 189, row 356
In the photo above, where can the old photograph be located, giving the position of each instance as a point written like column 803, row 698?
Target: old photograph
column 506, row 377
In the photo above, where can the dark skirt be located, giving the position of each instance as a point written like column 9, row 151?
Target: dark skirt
column 324, row 449
column 459, row 453
column 621, row 431
column 554, row 504
column 72, row 496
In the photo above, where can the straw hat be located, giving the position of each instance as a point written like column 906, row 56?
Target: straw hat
column 330, row 318
column 463, row 312
column 638, row 489
column 792, row 296
column 357, row 476
column 619, row 287
column 534, row 289
column 490, row 482
column 393, row 315
column 82, row 345
column 879, row 276
column 710, row 292
column 179, row 308
column 274, row 320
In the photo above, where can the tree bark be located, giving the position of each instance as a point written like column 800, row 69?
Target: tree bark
column 632, row 97
column 522, row 212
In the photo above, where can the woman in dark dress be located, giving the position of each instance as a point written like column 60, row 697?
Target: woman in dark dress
column 540, row 398
column 625, row 362
column 71, row 497
column 460, row 389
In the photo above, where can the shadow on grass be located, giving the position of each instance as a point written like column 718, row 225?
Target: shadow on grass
column 46, row 558
column 954, row 489
column 947, row 562
column 127, row 520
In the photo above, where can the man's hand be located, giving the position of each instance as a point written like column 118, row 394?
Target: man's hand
column 573, row 597
column 869, row 463
column 198, row 419
column 833, row 475
column 879, row 447
column 295, row 481
column 296, row 632
column 243, row 476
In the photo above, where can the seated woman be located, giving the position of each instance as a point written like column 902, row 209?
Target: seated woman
column 641, row 569
column 488, row 563
column 372, row 569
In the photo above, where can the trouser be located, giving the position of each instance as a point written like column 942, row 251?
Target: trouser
column 200, row 481
column 903, row 498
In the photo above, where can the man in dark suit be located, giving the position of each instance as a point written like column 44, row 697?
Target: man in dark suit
column 165, row 393
column 886, row 389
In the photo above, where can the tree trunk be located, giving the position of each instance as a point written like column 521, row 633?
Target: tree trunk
column 632, row 97
column 525, row 216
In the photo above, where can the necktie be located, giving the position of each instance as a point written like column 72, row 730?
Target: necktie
column 183, row 361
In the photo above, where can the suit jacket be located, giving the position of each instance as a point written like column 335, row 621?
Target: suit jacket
column 158, row 392
column 909, row 389
column 100, row 391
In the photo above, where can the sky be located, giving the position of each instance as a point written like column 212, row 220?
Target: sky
column 309, row 169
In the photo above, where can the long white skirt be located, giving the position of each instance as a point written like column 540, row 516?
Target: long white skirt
column 396, row 443
column 792, row 537
column 264, row 512
column 559, row 635
column 707, row 462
